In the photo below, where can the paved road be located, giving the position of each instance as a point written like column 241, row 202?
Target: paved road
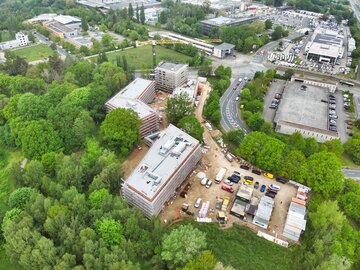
column 355, row 4
column 352, row 173
column 230, row 118
column 63, row 53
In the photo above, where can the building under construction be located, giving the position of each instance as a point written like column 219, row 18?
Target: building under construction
column 168, row 76
column 171, row 158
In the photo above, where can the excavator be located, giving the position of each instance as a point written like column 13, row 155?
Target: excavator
column 169, row 42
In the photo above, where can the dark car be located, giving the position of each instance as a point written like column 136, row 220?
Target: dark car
column 244, row 167
column 282, row 180
column 256, row 185
column 269, row 194
column 248, row 177
column 256, row 172
column 237, row 173
column 263, row 187
column 234, row 178
column 269, row 190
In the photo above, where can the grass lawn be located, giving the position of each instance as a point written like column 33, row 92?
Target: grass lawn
column 141, row 57
column 35, row 52
column 243, row 249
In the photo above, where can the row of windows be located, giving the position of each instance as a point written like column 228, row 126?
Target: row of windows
column 314, row 134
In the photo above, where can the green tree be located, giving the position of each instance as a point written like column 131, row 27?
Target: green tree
column 245, row 94
column 131, row 11
column 110, row 230
column 268, row 24
column 297, row 141
column 137, row 14
column 179, row 106
column 20, row 197
column 352, row 147
column 292, row 165
column 107, row 40
column 98, row 197
column 254, row 106
column 192, row 126
column 323, row 174
column 205, row 261
column 142, row 14
column 102, row 57
column 31, row 107
column 335, row 146
column 84, row 25
column 182, row 245
column 38, row 138
column 235, row 136
column 256, row 121
column 82, row 72
column 121, row 130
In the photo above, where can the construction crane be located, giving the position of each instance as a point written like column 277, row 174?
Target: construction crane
column 170, row 42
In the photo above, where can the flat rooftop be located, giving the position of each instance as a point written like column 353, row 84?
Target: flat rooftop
column 324, row 49
column 264, row 211
column 328, row 39
column 303, row 107
column 142, row 109
column 135, row 88
column 171, row 66
column 163, row 159
column 221, row 21
column 58, row 27
column 190, row 88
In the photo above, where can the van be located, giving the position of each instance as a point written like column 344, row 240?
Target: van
column 269, row 175
column 198, row 203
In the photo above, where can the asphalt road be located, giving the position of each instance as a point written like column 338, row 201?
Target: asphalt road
column 63, row 53
column 230, row 118
column 352, row 173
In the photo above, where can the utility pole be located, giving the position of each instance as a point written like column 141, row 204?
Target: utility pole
column 154, row 54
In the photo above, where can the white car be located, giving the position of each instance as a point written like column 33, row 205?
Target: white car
column 274, row 187
column 228, row 182
column 237, row 98
column 208, row 183
column 198, row 203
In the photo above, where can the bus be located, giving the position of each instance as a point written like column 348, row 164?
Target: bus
column 346, row 83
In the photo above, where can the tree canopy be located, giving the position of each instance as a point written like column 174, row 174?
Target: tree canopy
column 179, row 106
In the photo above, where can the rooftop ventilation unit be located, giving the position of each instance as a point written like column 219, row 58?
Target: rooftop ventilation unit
column 179, row 149
column 167, row 146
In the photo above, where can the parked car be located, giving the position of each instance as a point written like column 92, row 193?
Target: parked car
column 333, row 116
column 256, row 172
column 227, row 188
column 256, row 185
column 197, row 202
column 282, row 180
column 269, row 175
column 244, row 167
column 237, row 173
column 262, row 189
column 248, row 177
column 278, row 95
column 272, row 191
column 208, row 184
column 274, row 187
column 228, row 182
column 269, row 194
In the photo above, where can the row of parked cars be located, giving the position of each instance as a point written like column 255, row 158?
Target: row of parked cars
column 276, row 101
column 332, row 113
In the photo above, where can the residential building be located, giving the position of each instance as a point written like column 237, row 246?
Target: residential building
column 135, row 96
column 263, row 212
column 168, row 76
column 20, row 40
column 171, row 158
column 218, row 22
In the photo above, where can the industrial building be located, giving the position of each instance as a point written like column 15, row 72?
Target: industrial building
column 215, row 23
column 301, row 110
column 168, row 76
column 171, row 158
column 245, row 193
column 263, row 212
column 20, row 40
column 239, row 209
column 135, row 96
column 325, row 46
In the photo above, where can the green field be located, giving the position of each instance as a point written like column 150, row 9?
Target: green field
column 243, row 249
column 35, row 52
column 141, row 57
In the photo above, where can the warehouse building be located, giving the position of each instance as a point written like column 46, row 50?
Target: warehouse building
column 135, row 96
column 20, row 40
column 263, row 212
column 325, row 46
column 301, row 110
column 168, row 76
column 171, row 158
column 223, row 50
column 215, row 23
column 239, row 209
column 245, row 193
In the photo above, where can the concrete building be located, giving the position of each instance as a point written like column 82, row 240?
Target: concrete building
column 325, row 46
column 171, row 158
column 190, row 89
column 135, row 96
column 263, row 212
column 216, row 23
column 239, row 208
column 168, row 76
column 152, row 15
column 60, row 30
column 301, row 110
column 223, row 49
column 295, row 222
column 20, row 40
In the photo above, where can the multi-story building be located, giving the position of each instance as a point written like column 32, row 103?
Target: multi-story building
column 20, row 40
column 218, row 22
column 168, row 76
column 171, row 158
column 135, row 96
